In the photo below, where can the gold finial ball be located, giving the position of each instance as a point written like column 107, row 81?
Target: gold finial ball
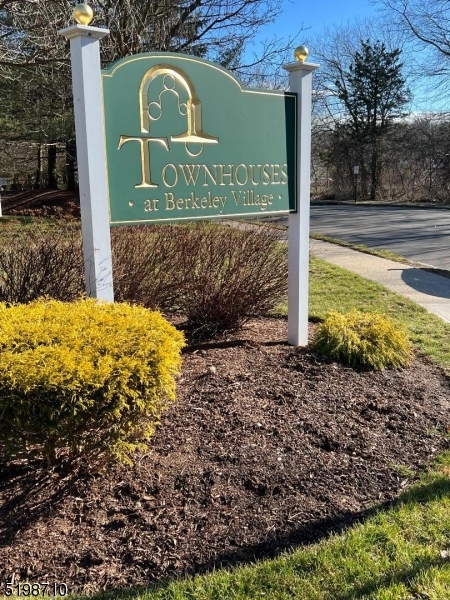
column 83, row 14
column 301, row 53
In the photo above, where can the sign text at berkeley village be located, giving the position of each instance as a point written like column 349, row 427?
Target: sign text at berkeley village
column 186, row 141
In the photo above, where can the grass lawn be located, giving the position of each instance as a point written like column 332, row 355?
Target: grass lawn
column 7, row 220
column 400, row 552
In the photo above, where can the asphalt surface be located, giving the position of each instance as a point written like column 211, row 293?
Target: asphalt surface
column 421, row 234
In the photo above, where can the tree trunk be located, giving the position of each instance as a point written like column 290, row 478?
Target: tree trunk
column 363, row 174
column 52, row 183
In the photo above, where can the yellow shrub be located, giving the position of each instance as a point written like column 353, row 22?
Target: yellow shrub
column 362, row 339
column 86, row 378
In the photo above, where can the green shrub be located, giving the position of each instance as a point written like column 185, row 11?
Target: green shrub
column 83, row 379
column 362, row 339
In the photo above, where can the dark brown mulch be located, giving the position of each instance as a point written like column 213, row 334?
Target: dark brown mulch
column 275, row 448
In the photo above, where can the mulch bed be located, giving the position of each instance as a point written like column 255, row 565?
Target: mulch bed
column 273, row 449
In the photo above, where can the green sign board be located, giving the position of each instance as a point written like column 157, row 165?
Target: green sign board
column 185, row 140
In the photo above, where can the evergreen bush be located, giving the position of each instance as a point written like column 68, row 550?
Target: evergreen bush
column 83, row 379
column 363, row 340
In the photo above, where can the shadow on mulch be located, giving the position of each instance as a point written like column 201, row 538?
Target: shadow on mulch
column 271, row 449
column 39, row 493
column 314, row 533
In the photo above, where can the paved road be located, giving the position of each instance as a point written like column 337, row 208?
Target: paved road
column 418, row 234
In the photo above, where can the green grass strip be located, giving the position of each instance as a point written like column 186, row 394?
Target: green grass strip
column 14, row 220
column 363, row 248
column 381, row 254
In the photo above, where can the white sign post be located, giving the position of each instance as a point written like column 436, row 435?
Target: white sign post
column 91, row 158
column 300, row 79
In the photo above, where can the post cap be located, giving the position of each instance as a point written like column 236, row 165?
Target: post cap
column 83, row 13
column 301, row 53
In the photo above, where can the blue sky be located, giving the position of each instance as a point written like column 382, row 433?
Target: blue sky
column 317, row 15
column 314, row 16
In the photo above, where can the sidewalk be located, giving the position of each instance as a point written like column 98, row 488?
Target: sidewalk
column 429, row 290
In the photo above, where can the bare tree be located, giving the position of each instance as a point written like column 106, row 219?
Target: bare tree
column 426, row 24
column 427, row 20
column 220, row 30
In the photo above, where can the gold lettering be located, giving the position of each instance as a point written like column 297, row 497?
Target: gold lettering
column 175, row 174
column 151, row 205
column 170, row 201
column 275, row 173
column 204, row 202
column 266, row 174
column 265, row 200
column 144, row 143
column 241, row 166
column 225, row 174
column 284, row 176
column 194, row 201
column 208, row 172
column 190, row 173
column 236, row 196
column 180, row 203
column 252, row 167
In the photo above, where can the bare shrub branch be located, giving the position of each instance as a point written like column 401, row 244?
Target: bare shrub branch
column 145, row 265
column 41, row 261
column 229, row 275
column 217, row 276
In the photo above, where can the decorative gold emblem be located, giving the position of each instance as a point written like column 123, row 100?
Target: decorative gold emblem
column 193, row 107
column 152, row 111
column 301, row 53
column 83, row 14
